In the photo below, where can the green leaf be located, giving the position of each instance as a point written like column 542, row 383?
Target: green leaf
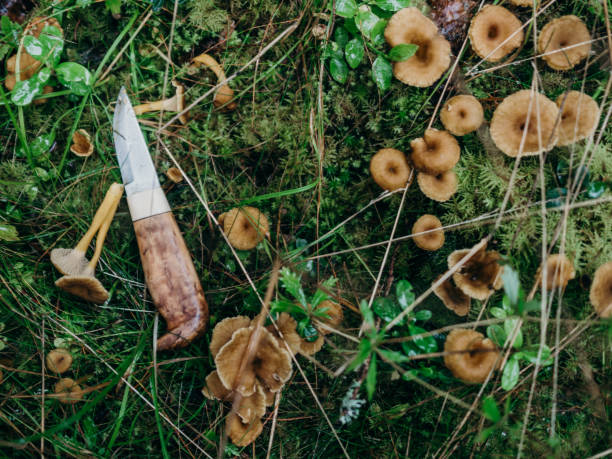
column 371, row 377
column 393, row 5
column 306, row 330
column 52, row 42
column 385, row 309
column 382, row 73
column 34, row 47
column 490, row 409
column 426, row 343
column 394, row 356
column 510, row 374
column 402, row 52
column 341, row 36
column 10, row 30
column 365, row 349
column 26, row 91
column 496, row 334
column 377, row 34
column 346, row 8
column 405, row 294
column 354, row 52
column 75, row 77
column 532, row 305
column 338, row 69
column 512, row 284
column 498, row 312
column 509, row 325
column 366, row 20
column 423, row 314
column 531, row 355
column 284, row 305
column 114, row 6
column 39, row 147
column 595, row 189
column 366, row 312
column 8, row 233
column 83, row 3
column 291, row 283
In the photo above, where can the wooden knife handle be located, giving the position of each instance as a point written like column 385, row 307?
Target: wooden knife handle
column 172, row 280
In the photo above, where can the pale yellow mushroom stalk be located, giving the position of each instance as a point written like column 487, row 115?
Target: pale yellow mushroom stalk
column 225, row 95
column 175, row 103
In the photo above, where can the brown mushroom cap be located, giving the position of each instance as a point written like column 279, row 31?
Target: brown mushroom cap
column 480, row 275
column 561, row 33
column 560, row 270
column 431, row 241
column 452, row 297
column 334, row 311
column 287, row 326
column 524, row 2
column 440, row 187
column 245, row 227
column 579, row 117
column 81, row 143
column 253, row 407
column 224, row 330
column 268, row 395
column 174, row 174
column 243, row 434
column 312, row 347
column 510, row 119
column 84, row 286
column 436, row 152
column 59, row 360
column 390, row 169
column 214, row 388
column 469, row 355
column 495, row 32
column 462, row 114
column 69, row 261
column 432, row 58
column 68, row 390
column 601, row 290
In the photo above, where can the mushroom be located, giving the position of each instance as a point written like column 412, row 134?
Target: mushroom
column 480, row 275
column 469, row 355
column 224, row 330
column 59, row 360
column 436, row 152
column 174, row 174
column 579, row 117
column 434, row 238
column 334, row 311
column 564, row 32
column 432, row 58
column 244, row 433
column 224, row 98
column 68, row 391
column 175, row 103
column 510, row 122
column 524, row 2
column 287, row 326
column 390, row 169
column 495, row 32
column 312, row 347
column 559, row 271
column 214, row 388
column 253, row 407
column 245, row 227
column 462, row 114
column 601, row 290
column 438, row 187
column 452, row 297
column 81, row 143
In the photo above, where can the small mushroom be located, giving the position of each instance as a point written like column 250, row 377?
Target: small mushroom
column 390, row 169
column 462, row 114
column 452, row 297
column 174, row 174
column 175, row 103
column 81, row 143
column 559, row 271
column 436, row 152
column 495, row 32
column 224, row 330
column 312, row 347
column 480, row 275
column 245, row 227
column 434, row 238
column 564, row 32
column 334, row 311
column 214, row 388
column 410, row 26
column 525, row 2
column 287, row 326
column 579, row 117
column 510, row 122
column 440, row 187
column 68, row 391
column 253, row 407
column 59, row 360
column 224, row 98
column 243, row 434
column 601, row 290
column 469, row 355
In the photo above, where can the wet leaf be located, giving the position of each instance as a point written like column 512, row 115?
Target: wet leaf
column 382, row 73
column 427, row 343
column 392, row 5
column 8, row 233
column 402, row 52
column 386, row 309
column 511, row 372
column 75, row 77
column 346, row 8
column 405, row 294
column 490, row 409
column 496, row 334
column 338, row 69
column 354, row 52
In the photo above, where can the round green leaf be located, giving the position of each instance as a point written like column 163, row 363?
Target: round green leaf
column 365, row 20
column 402, row 52
column 354, row 52
column 423, row 314
column 405, row 294
column 75, row 77
column 382, row 73
column 427, row 344
column 596, row 189
column 346, row 8
column 33, row 46
column 338, row 69
column 510, row 375
column 341, row 36
column 498, row 312
column 392, row 5
column 497, row 334
column 8, row 233
column 386, row 309
column 24, row 92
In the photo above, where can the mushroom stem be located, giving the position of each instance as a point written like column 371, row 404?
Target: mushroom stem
column 115, row 192
column 173, row 104
column 208, row 61
column 225, row 94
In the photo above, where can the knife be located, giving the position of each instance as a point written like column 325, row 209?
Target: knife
column 169, row 272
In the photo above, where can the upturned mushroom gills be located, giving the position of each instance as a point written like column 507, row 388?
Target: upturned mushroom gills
column 579, row 117
column 480, row 275
column 312, row 347
column 245, row 227
column 452, row 297
column 224, row 98
column 68, row 391
column 565, row 42
column 509, row 124
column 175, row 103
column 214, row 388
column 434, row 238
column 601, row 291
column 435, row 153
column 243, row 434
column 469, row 355
column 440, row 187
column 559, row 271
column 410, row 26
column 495, row 32
column 390, row 169
column 224, row 330
column 287, row 326
column 334, row 311
column 174, row 174
column 253, row 407
column 462, row 114
column 58, row 360
column 81, row 143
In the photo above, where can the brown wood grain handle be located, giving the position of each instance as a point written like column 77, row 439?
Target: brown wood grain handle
column 172, row 280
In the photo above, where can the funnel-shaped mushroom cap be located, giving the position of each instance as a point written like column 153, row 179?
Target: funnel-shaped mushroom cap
column 480, row 275
column 510, row 121
column 601, row 290
column 432, row 58
column 174, row 174
column 436, row 152
column 312, row 347
column 59, row 360
column 81, row 143
column 462, row 114
column 524, row 2
column 224, row 330
column 253, row 407
column 214, row 388
column 495, row 32
column 559, row 272
column 579, row 117
column 334, row 311
column 268, row 394
column 84, row 286
column 68, row 391
column 563, row 32
column 271, row 364
column 430, row 241
column 69, row 261
column 287, row 326
column 243, row 434
column 440, row 187
column 390, row 169
column 469, row 355
column 453, row 298
column 245, row 227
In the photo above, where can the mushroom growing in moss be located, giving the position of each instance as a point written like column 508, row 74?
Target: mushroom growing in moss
column 440, row 187
column 81, row 143
column 469, row 355
column 390, row 169
column 601, row 290
column 287, row 327
column 579, row 117
column 559, row 271
column 434, row 237
column 452, row 297
column 462, row 114
column 68, row 391
column 175, row 103
column 174, row 174
column 244, row 433
column 436, row 152
column 59, row 360
column 480, row 275
column 495, row 32
column 564, row 42
column 245, row 227
column 224, row 98
column 224, row 330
